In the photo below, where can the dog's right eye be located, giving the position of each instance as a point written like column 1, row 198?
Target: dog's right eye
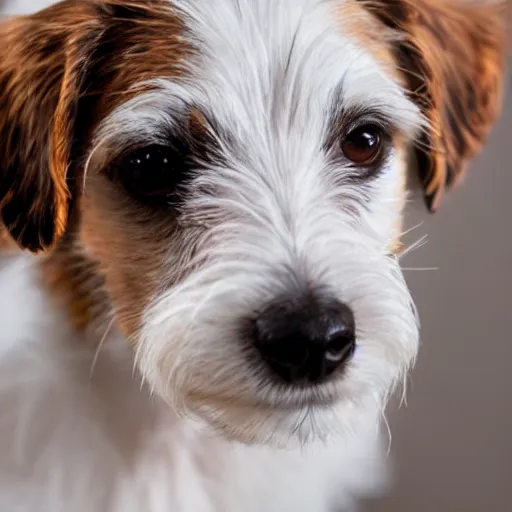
column 152, row 174
column 363, row 145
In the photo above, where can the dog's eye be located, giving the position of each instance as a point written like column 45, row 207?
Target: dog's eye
column 363, row 145
column 153, row 173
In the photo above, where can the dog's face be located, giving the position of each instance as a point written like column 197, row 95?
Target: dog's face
column 235, row 171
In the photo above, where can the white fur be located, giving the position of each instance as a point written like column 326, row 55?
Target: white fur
column 75, row 442
column 283, row 215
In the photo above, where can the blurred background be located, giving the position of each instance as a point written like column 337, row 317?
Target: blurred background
column 452, row 444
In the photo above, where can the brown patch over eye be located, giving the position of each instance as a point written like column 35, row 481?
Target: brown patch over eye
column 363, row 145
column 452, row 56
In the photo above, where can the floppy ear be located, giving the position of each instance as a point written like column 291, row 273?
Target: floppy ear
column 452, row 55
column 43, row 59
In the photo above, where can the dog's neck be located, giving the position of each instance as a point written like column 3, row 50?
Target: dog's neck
column 71, row 279
column 75, row 284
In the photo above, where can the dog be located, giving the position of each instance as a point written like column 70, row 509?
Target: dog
column 209, row 313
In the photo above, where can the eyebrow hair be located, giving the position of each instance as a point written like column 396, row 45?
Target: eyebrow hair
column 392, row 111
column 181, row 123
column 342, row 120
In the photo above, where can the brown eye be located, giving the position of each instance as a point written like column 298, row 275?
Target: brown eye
column 152, row 174
column 363, row 145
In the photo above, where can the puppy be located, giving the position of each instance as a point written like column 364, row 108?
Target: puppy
column 210, row 314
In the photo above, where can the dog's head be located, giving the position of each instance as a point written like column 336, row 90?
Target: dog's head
column 234, row 171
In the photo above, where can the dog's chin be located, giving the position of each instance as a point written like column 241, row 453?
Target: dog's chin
column 286, row 426
column 300, row 417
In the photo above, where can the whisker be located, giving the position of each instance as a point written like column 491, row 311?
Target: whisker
column 100, row 345
column 414, row 246
column 420, row 269
column 388, row 429
column 411, row 229
column 403, row 398
column 97, row 146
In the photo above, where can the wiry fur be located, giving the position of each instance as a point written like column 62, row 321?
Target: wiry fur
column 80, row 433
column 127, row 380
column 275, row 219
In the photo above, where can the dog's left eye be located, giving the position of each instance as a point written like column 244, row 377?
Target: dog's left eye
column 152, row 174
column 363, row 145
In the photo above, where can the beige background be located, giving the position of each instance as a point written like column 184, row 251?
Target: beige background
column 452, row 445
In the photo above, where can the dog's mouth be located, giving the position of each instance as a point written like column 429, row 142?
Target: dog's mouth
column 271, row 393
column 281, row 417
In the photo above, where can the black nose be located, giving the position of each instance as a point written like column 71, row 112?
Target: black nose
column 305, row 341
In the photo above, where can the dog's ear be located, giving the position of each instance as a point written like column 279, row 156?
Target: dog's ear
column 452, row 55
column 43, row 61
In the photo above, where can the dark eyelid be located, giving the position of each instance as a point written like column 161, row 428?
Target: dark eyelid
column 180, row 133
column 127, row 150
column 344, row 121
column 369, row 119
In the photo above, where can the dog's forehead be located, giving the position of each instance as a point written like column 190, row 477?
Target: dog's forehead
column 267, row 67
column 276, row 55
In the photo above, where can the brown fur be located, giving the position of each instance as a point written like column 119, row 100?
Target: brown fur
column 358, row 23
column 130, row 249
column 41, row 62
column 76, row 286
column 452, row 56
column 55, row 67
column 61, row 71
column 6, row 242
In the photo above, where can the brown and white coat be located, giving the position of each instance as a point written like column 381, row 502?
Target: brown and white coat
column 254, row 105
